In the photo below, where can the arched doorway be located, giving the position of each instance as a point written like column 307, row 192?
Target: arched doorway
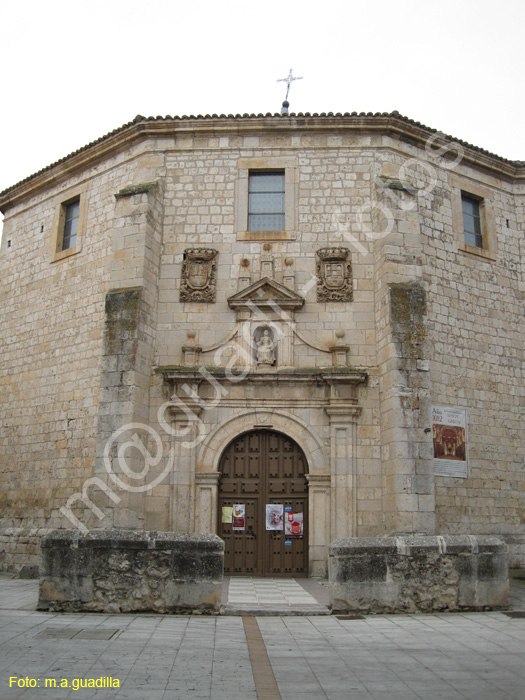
column 262, row 468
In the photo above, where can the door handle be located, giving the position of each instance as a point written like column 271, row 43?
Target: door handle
column 251, row 532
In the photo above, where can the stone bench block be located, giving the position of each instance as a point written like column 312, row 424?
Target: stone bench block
column 410, row 573
column 124, row 571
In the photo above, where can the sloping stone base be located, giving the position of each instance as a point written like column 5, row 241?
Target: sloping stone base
column 418, row 573
column 123, row 571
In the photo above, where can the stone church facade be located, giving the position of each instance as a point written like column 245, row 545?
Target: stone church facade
column 205, row 313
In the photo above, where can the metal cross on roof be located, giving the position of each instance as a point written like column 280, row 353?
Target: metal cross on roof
column 288, row 80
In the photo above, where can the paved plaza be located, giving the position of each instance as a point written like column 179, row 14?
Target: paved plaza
column 237, row 657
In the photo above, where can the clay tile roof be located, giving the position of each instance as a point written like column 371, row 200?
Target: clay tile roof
column 277, row 116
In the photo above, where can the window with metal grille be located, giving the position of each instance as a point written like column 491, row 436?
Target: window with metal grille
column 70, row 224
column 266, row 201
column 472, row 220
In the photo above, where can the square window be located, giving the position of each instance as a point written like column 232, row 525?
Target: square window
column 266, row 201
column 69, row 235
column 472, row 220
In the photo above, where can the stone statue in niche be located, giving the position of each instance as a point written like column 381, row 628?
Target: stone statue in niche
column 334, row 275
column 265, row 348
column 199, row 275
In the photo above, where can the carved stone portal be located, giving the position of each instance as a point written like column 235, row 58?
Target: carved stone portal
column 199, row 275
column 334, row 275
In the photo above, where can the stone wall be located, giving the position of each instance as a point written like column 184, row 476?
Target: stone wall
column 476, row 358
column 51, row 320
column 352, row 182
column 418, row 574
column 202, row 199
column 20, row 547
column 516, row 545
column 122, row 571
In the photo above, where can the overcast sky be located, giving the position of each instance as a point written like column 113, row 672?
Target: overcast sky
column 73, row 71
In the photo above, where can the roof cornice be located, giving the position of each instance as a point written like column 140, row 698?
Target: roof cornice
column 141, row 128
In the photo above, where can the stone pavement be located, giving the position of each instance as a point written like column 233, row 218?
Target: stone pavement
column 159, row 657
column 270, row 596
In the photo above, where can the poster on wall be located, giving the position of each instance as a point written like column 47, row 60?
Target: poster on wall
column 274, row 516
column 239, row 513
column 293, row 524
column 449, row 432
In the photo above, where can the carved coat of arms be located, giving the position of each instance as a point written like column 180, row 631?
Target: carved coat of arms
column 334, row 275
column 199, row 273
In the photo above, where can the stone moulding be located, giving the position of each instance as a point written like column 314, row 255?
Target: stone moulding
column 333, row 378
column 128, row 570
column 143, row 188
column 418, row 573
column 141, row 129
column 347, row 375
column 268, row 295
column 395, row 183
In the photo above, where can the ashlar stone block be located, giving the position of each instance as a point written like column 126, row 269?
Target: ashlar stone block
column 418, row 573
column 123, row 571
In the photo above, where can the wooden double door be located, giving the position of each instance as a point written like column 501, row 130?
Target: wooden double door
column 262, row 468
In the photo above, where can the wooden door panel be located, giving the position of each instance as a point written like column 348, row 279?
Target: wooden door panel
column 289, row 555
column 274, row 466
column 241, row 553
column 276, row 486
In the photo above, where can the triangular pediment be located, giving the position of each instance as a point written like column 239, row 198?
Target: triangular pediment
column 266, row 292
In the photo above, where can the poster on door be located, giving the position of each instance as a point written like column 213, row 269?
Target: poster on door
column 293, row 524
column 239, row 516
column 449, row 433
column 274, row 516
column 227, row 514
